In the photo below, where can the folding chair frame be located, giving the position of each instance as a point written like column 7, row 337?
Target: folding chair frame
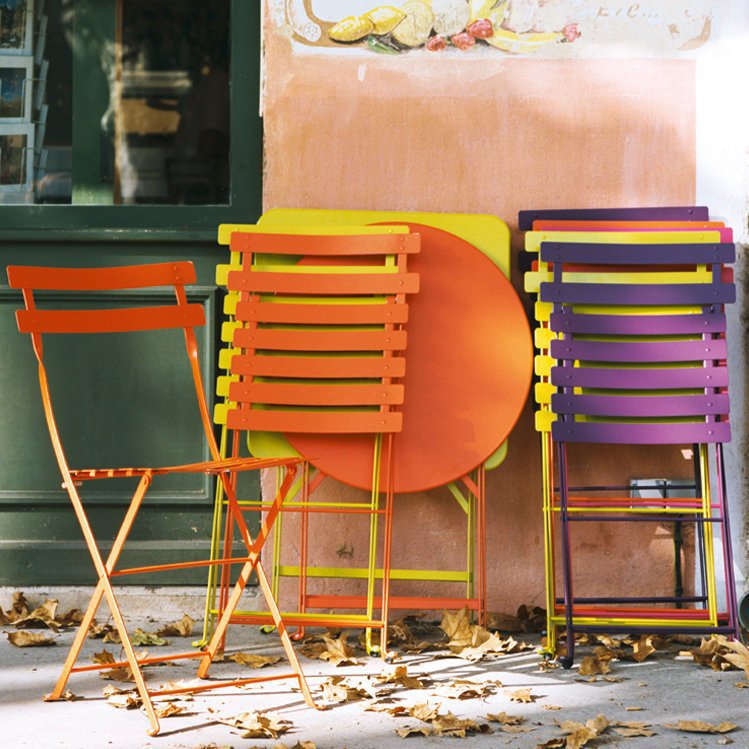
column 180, row 315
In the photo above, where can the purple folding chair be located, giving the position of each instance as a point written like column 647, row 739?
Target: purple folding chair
column 638, row 339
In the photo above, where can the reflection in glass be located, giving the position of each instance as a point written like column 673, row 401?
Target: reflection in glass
column 162, row 117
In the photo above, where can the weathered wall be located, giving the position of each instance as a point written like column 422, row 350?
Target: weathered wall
column 607, row 117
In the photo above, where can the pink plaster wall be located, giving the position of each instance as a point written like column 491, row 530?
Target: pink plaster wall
column 487, row 136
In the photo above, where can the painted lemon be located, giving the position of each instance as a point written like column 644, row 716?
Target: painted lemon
column 415, row 28
column 351, row 29
column 526, row 43
column 385, row 18
column 450, row 16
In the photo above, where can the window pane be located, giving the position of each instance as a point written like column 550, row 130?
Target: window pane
column 114, row 101
column 172, row 121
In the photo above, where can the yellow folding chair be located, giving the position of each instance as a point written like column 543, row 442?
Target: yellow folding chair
column 85, row 287
column 317, row 330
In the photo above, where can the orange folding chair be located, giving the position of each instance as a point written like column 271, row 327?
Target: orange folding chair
column 86, row 287
column 317, row 353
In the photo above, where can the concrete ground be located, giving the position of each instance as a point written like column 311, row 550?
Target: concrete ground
column 663, row 689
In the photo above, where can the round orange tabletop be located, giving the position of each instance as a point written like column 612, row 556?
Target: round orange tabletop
column 468, row 371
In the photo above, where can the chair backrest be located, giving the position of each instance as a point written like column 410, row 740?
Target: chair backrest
column 650, row 213
column 637, row 341
column 318, row 337
column 80, row 317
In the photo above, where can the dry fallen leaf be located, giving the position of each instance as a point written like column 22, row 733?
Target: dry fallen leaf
column 122, row 698
column 409, row 731
column 29, row 639
column 699, row 726
column 643, row 648
column 120, row 673
column 139, row 638
column 337, row 690
column 258, row 725
column 335, row 650
column 464, row 689
column 181, row 628
column 399, row 676
column 522, row 695
column 590, row 666
column 632, row 729
column 451, row 725
column 253, row 661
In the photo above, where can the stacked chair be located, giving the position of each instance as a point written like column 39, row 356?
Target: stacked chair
column 316, row 340
column 78, row 301
column 631, row 341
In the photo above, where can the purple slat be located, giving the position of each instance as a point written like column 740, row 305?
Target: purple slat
column 707, row 322
column 640, row 379
column 640, row 294
column 637, row 254
column 639, row 351
column 641, row 406
column 652, row 433
column 654, row 213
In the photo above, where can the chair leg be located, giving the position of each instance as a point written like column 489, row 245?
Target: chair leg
column 567, row 660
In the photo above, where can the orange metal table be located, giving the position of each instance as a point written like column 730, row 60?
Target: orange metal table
column 469, row 372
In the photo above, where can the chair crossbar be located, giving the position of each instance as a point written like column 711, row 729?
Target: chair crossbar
column 258, row 281
column 322, row 245
column 651, row 433
column 713, row 321
column 318, row 366
column 110, row 320
column 316, row 394
column 637, row 294
column 639, row 351
column 637, row 254
column 666, row 213
column 315, row 422
column 646, row 378
column 640, row 406
column 101, row 279
column 255, row 310
column 278, row 339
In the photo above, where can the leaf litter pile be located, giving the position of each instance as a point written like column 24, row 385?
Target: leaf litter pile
column 388, row 692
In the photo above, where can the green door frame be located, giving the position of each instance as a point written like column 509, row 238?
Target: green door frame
column 245, row 157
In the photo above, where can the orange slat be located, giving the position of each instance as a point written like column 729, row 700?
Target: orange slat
column 318, row 244
column 311, row 284
column 320, row 314
column 301, row 394
column 318, row 366
column 100, row 279
column 320, row 340
column 109, row 320
column 315, row 422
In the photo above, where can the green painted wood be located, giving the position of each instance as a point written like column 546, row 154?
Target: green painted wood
column 40, row 542
column 94, row 29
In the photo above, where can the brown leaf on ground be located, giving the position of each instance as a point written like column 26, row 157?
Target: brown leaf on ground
column 458, row 628
column 632, row 729
column 169, row 710
column 335, row 650
column 41, row 616
column 399, row 676
column 338, row 690
column 424, row 711
column 121, row 673
column 505, row 719
column 738, row 655
column 257, row 725
column 579, row 734
column 103, row 632
column 699, row 726
column 140, row 638
column 409, row 731
column 464, row 689
column 643, row 648
column 505, row 623
column 181, row 628
column 591, row 666
column 553, row 744
column 552, row 707
column 68, row 696
column 252, row 660
column 124, row 699
column 29, row 639
column 472, row 642
column 451, row 725
column 523, row 695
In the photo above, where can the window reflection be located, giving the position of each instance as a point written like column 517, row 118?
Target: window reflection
column 163, row 125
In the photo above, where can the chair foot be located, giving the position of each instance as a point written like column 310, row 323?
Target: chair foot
column 51, row 698
column 566, row 661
